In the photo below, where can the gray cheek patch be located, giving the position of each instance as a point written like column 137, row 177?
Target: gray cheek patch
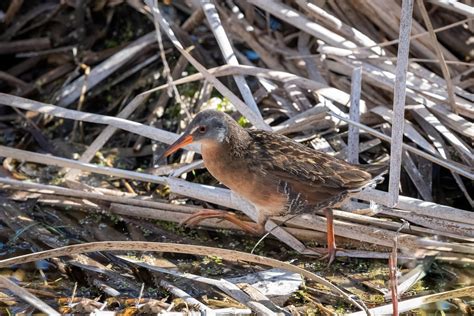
column 220, row 133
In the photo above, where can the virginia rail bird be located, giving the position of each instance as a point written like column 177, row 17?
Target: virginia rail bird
column 273, row 172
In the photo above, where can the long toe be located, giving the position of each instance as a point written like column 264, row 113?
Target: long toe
column 326, row 254
column 199, row 216
column 331, row 255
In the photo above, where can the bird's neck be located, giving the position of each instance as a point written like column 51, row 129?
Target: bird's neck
column 233, row 146
column 237, row 139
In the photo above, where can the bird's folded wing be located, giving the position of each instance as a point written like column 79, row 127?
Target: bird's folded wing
column 295, row 163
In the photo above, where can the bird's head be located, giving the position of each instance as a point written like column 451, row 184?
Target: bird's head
column 207, row 127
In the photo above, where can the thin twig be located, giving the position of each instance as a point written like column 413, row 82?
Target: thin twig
column 82, row 99
column 439, row 53
column 393, row 271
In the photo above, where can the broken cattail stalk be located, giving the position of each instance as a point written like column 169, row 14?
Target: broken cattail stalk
column 354, row 114
column 399, row 101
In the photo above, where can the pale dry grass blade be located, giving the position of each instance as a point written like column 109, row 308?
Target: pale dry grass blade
column 72, row 92
column 226, row 254
column 399, row 102
column 253, row 117
column 414, row 303
column 293, row 17
column 226, row 48
column 26, row 296
column 354, row 113
column 455, row 6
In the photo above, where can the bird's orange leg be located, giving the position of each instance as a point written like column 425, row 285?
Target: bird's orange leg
column 331, row 240
column 330, row 252
column 229, row 216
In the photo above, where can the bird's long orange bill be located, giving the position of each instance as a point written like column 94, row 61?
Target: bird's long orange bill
column 181, row 142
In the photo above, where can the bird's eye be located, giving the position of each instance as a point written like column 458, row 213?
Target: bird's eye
column 202, row 129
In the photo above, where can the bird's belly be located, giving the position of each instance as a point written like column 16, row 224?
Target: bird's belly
column 253, row 187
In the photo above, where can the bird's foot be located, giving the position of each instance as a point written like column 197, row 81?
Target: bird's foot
column 329, row 253
column 199, row 216
column 331, row 238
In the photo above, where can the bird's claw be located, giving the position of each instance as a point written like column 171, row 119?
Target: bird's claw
column 328, row 253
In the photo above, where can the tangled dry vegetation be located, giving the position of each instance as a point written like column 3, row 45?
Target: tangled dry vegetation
column 92, row 91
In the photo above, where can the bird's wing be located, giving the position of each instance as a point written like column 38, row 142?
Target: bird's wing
column 288, row 160
column 309, row 178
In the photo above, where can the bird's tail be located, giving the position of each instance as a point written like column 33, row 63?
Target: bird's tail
column 377, row 171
